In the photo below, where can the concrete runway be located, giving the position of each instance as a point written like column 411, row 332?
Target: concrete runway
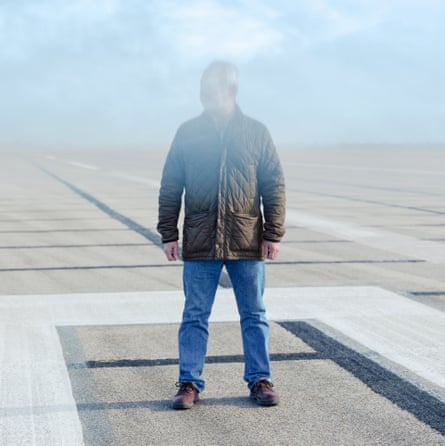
column 90, row 307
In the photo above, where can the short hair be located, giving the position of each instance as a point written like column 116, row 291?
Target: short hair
column 224, row 73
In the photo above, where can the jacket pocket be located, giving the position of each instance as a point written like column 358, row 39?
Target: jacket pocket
column 246, row 233
column 198, row 233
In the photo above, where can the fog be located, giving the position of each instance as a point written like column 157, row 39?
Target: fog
column 115, row 73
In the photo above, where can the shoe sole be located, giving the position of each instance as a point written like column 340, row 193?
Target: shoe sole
column 264, row 403
column 184, row 406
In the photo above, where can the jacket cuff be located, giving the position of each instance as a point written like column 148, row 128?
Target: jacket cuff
column 269, row 239
column 170, row 240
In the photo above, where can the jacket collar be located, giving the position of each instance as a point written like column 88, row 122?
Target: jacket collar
column 234, row 119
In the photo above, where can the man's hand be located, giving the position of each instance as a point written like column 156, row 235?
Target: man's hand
column 171, row 250
column 270, row 249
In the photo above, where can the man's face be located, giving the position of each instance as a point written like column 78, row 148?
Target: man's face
column 216, row 98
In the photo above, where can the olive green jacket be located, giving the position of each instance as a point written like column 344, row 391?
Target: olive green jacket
column 234, row 189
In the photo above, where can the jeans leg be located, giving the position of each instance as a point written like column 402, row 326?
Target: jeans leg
column 200, row 283
column 248, row 279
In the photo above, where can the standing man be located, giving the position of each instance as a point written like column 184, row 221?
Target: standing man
column 228, row 168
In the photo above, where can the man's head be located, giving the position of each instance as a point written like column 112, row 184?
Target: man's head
column 219, row 86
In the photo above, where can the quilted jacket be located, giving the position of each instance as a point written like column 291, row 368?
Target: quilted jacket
column 234, row 189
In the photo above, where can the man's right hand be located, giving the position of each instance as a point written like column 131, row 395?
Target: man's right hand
column 171, row 250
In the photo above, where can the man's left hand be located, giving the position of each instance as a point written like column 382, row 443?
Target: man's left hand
column 270, row 249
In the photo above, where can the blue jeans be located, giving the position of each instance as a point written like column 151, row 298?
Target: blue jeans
column 200, row 284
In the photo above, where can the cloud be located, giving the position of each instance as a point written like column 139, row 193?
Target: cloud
column 202, row 28
column 196, row 27
column 157, row 37
column 326, row 21
column 31, row 26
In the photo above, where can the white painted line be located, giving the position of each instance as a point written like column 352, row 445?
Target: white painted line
column 36, row 403
column 327, row 226
column 149, row 182
column 83, row 165
column 369, row 169
column 376, row 238
column 73, row 163
column 135, row 179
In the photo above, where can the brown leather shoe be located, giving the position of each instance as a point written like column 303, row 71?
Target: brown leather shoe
column 263, row 393
column 186, row 396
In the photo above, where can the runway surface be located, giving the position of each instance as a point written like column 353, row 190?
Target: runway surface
column 90, row 307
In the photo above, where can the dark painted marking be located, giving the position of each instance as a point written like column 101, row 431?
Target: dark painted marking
column 97, row 245
column 223, row 359
column 82, row 407
column 155, row 405
column 407, row 396
column 50, row 231
column 408, row 225
column 363, row 200
column 131, row 224
column 27, row 210
column 77, row 268
column 315, row 241
column 18, row 220
column 334, row 262
column 179, row 264
column 427, row 293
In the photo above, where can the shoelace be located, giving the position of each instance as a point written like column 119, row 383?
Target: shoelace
column 185, row 387
column 263, row 383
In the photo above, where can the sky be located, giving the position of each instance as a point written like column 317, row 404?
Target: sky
column 105, row 73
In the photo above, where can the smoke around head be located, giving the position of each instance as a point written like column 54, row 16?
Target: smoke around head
column 219, row 87
column 221, row 72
